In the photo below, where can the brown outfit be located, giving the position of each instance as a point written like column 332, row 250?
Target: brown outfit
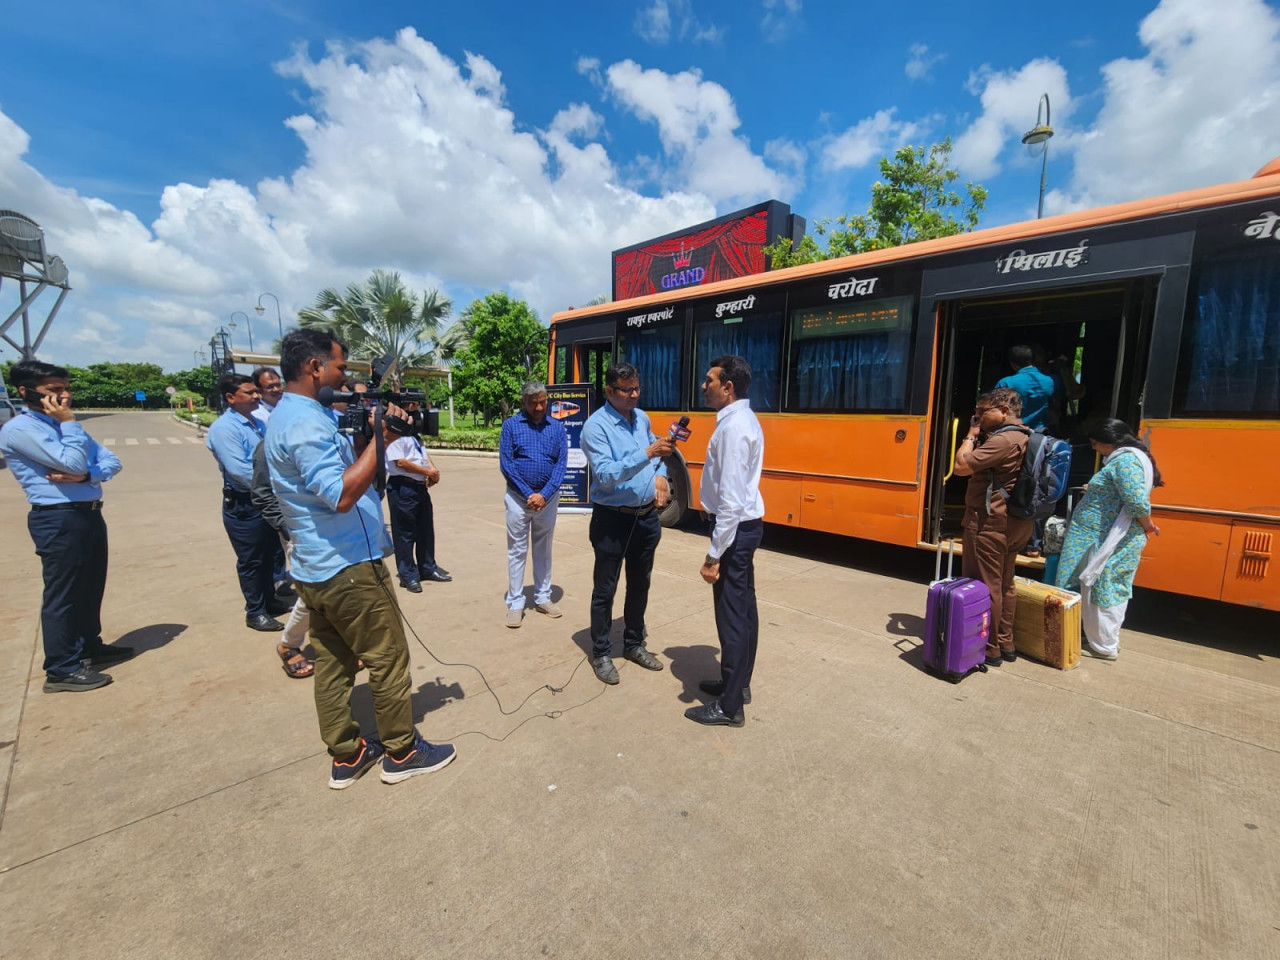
column 992, row 542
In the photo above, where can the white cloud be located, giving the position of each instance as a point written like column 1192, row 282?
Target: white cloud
column 781, row 19
column 868, row 140
column 661, row 20
column 412, row 162
column 1009, row 102
column 1201, row 107
column 920, row 63
column 696, row 122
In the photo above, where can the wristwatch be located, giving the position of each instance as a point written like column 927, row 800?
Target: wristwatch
column 710, row 561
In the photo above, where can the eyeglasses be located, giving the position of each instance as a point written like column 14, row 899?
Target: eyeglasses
column 627, row 391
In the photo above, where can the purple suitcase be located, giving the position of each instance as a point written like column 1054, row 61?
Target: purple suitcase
column 957, row 623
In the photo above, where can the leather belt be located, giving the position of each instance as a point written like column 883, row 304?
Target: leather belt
column 70, row 505
column 630, row 511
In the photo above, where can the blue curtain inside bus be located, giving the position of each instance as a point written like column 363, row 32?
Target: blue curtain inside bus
column 759, row 340
column 864, row 372
column 1234, row 364
column 656, row 354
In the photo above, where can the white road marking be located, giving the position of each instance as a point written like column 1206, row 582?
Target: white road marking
column 131, row 442
column 194, row 440
column 174, row 440
column 109, row 442
column 153, row 441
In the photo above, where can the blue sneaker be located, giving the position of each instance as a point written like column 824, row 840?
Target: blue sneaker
column 423, row 758
column 343, row 773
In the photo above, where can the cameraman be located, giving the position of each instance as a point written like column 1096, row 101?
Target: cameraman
column 62, row 470
column 335, row 525
column 410, row 475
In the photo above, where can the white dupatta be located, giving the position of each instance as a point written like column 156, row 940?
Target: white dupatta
column 1098, row 555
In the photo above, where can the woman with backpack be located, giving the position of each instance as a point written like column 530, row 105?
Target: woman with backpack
column 1108, row 530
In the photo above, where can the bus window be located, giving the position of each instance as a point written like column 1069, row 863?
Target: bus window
column 851, row 356
column 751, row 327
column 1231, row 348
column 562, row 364
column 656, row 353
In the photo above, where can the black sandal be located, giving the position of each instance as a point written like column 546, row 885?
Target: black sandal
column 296, row 665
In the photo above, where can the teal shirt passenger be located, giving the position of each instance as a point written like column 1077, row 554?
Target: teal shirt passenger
column 1036, row 391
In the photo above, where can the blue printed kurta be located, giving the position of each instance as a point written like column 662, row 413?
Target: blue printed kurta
column 1120, row 483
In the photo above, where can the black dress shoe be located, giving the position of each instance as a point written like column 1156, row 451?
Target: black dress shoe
column 606, row 672
column 1009, row 656
column 710, row 713
column 993, row 661
column 84, row 678
column 106, row 656
column 438, row 575
column 638, row 654
column 261, row 621
column 277, row 608
column 413, row 586
column 716, row 687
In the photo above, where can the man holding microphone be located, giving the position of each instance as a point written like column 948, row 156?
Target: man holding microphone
column 730, row 491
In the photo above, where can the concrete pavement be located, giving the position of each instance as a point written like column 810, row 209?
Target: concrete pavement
column 866, row 809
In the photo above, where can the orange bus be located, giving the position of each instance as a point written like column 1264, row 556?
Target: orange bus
column 1167, row 310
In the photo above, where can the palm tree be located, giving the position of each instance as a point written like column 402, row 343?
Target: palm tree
column 380, row 317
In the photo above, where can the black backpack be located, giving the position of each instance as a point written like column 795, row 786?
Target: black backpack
column 1043, row 479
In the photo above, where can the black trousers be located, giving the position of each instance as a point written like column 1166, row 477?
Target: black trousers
column 255, row 544
column 413, row 527
column 621, row 540
column 72, row 546
column 737, row 619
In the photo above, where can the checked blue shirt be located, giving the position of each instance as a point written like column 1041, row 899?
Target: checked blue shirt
column 533, row 456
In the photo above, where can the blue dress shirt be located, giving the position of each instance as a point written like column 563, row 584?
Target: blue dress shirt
column 307, row 456
column 1036, row 391
column 622, row 474
column 35, row 445
column 232, row 440
column 533, row 456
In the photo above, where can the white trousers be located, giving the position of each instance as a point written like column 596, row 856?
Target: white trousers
column 295, row 629
column 521, row 521
column 1101, row 624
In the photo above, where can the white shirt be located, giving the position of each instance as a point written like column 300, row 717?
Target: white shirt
column 407, row 448
column 261, row 413
column 730, row 486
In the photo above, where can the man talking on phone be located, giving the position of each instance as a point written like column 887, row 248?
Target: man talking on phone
column 62, row 470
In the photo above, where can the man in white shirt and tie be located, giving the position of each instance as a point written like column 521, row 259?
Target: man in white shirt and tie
column 730, row 491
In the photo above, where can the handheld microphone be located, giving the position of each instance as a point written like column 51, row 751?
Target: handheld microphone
column 679, row 430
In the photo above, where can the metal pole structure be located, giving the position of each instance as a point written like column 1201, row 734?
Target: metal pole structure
column 247, row 325
column 450, row 398
column 261, row 310
column 1041, row 134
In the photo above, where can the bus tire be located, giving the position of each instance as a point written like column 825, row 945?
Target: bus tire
column 678, row 482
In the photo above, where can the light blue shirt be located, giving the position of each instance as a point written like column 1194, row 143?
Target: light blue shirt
column 621, row 473
column 307, row 456
column 35, row 445
column 1036, row 391
column 232, row 440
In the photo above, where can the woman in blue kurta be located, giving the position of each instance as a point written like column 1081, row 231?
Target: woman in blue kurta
column 1108, row 530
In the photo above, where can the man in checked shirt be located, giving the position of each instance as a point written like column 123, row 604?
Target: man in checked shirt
column 532, row 454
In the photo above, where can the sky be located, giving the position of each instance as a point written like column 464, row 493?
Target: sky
column 188, row 157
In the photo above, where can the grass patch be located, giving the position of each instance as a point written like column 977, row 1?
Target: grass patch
column 465, row 438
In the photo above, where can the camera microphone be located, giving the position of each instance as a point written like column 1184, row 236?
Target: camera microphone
column 679, row 430
column 327, row 396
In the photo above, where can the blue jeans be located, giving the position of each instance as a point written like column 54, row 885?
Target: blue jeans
column 72, row 546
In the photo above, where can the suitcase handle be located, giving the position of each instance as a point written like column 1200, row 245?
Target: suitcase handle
column 951, row 556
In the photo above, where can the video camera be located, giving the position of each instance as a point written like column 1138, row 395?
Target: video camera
column 355, row 418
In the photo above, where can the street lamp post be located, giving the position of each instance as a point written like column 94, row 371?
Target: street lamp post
column 261, row 310
column 246, row 326
column 1041, row 134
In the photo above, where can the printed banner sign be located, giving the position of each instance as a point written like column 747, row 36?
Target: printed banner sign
column 570, row 403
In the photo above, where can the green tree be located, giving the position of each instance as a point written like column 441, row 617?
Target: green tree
column 381, row 316
column 508, row 345
column 913, row 200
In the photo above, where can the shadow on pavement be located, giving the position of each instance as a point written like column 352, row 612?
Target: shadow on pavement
column 432, row 695
column 152, row 637
column 692, row 665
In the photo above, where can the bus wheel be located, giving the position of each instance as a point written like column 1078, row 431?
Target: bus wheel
column 678, row 481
